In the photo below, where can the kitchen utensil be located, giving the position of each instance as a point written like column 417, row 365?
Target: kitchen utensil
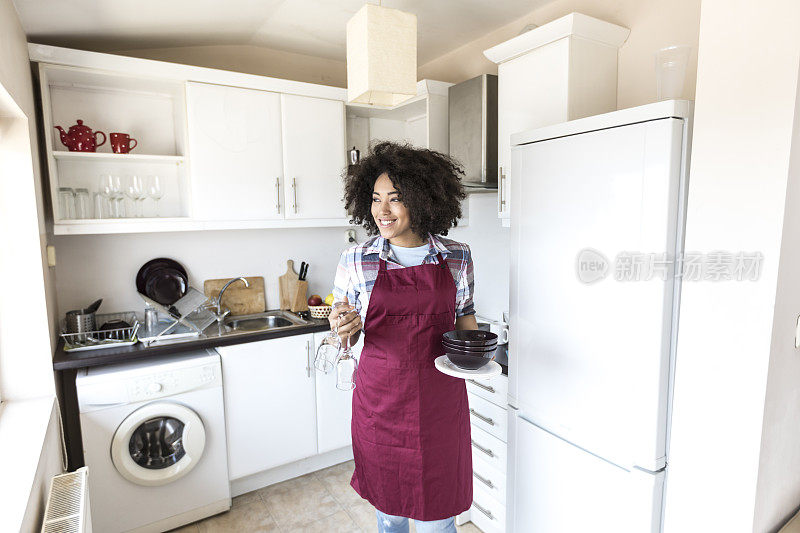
column 155, row 191
column 299, row 300
column 134, row 190
column 150, row 318
column 165, row 285
column 113, row 329
column 83, row 205
column 112, row 332
column 159, row 262
column 328, row 350
column 239, row 299
column 303, row 270
column 470, row 337
column 66, row 203
column 80, row 138
column 354, row 156
column 81, row 321
column 286, row 285
column 121, row 143
column 94, row 306
column 468, row 362
column 489, row 370
column 346, row 368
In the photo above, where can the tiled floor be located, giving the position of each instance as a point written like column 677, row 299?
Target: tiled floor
column 322, row 501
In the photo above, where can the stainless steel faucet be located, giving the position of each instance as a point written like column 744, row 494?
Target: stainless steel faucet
column 216, row 303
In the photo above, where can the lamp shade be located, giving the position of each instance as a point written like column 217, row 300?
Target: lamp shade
column 381, row 56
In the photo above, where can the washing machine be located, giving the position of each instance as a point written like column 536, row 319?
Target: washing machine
column 154, row 441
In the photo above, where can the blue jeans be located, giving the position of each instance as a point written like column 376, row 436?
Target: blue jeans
column 398, row 524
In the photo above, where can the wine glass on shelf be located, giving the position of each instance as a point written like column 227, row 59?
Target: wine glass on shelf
column 346, row 367
column 135, row 191
column 107, row 190
column 154, row 190
column 328, row 350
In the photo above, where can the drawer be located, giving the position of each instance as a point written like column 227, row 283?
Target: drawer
column 486, row 512
column 495, row 390
column 489, row 449
column 488, row 417
column 489, row 478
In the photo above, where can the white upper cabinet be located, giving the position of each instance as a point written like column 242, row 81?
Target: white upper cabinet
column 235, row 152
column 314, row 157
column 563, row 70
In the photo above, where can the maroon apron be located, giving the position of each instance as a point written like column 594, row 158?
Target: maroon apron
column 410, row 427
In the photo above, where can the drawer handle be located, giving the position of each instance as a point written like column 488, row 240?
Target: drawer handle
column 488, row 513
column 484, row 418
column 487, row 451
column 481, row 385
column 483, row 480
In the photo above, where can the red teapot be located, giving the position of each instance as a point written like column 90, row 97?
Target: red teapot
column 80, row 138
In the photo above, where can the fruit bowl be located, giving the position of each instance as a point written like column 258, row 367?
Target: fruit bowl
column 320, row 311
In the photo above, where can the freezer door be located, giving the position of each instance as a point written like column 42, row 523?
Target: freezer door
column 591, row 354
column 559, row 488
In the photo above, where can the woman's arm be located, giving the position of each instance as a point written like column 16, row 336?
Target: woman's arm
column 465, row 309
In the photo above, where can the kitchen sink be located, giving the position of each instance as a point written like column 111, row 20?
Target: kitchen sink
column 263, row 321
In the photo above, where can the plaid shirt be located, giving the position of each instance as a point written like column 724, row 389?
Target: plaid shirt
column 359, row 264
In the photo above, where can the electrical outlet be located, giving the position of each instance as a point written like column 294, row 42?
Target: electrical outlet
column 350, row 236
column 51, row 255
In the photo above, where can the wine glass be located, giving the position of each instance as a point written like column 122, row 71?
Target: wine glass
column 135, row 191
column 154, row 190
column 346, row 367
column 328, row 350
column 108, row 188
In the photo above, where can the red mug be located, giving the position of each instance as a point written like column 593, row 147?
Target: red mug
column 122, row 143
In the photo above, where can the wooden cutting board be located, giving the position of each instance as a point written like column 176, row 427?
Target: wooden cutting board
column 239, row 299
column 286, row 283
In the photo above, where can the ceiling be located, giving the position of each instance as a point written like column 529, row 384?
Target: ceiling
column 313, row 27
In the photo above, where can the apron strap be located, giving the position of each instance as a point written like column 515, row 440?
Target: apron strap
column 441, row 261
column 382, row 263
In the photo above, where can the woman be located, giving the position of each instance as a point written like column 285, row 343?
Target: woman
column 407, row 286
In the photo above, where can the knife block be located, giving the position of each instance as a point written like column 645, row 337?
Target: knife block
column 299, row 301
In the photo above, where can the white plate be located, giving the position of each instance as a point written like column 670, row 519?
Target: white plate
column 489, row 370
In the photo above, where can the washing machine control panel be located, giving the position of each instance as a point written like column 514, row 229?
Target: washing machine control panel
column 169, row 383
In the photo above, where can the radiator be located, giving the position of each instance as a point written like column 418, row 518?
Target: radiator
column 67, row 508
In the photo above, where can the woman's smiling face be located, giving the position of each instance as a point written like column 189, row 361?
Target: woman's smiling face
column 391, row 216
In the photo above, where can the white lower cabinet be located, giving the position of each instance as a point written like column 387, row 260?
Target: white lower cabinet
column 270, row 403
column 334, row 406
column 489, row 429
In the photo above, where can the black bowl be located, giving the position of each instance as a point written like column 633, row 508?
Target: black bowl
column 470, row 337
column 165, row 286
column 479, row 347
column 458, row 351
column 477, row 350
column 152, row 265
column 468, row 362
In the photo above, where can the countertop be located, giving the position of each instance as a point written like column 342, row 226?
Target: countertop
column 211, row 338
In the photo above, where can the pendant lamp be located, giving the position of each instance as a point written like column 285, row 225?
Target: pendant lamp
column 381, row 56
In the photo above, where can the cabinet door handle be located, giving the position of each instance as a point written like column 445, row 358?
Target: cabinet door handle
column 294, row 194
column 484, row 418
column 278, row 195
column 501, row 196
column 483, row 480
column 481, row 385
column 308, row 358
column 480, row 448
column 488, row 513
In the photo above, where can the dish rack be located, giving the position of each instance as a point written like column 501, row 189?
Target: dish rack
column 102, row 338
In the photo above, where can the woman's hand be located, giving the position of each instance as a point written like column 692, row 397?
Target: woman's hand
column 348, row 320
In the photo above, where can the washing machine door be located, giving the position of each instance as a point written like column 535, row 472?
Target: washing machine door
column 158, row 443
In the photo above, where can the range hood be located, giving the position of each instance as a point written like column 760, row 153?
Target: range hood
column 473, row 130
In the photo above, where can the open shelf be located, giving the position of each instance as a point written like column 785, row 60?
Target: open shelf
column 124, row 158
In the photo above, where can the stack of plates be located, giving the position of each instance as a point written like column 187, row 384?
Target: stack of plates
column 162, row 280
column 469, row 349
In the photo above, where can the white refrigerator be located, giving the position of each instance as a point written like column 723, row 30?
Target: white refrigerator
column 598, row 210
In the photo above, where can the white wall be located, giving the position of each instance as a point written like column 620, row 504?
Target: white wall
column 25, row 332
column 654, row 24
column 746, row 90
column 105, row 266
column 778, row 489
